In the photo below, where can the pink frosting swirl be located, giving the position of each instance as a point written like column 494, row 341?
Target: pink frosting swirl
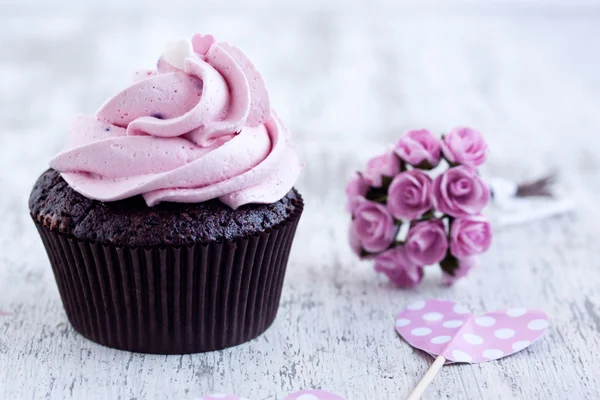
column 189, row 135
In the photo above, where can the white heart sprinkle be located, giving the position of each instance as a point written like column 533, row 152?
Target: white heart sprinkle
column 433, row 316
column 485, row 321
column 455, row 323
column 402, row 322
column 520, row 345
column 515, row 312
column 504, row 333
column 421, row 331
column 176, row 51
column 538, row 324
column 441, row 339
column 416, row 305
column 472, row 339
column 461, row 356
column 493, row 354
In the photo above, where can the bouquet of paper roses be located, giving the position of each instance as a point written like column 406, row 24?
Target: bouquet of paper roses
column 420, row 204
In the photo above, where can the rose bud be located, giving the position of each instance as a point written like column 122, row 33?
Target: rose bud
column 373, row 228
column 419, row 148
column 470, row 235
column 426, row 242
column 399, row 269
column 356, row 190
column 464, row 146
column 460, row 192
column 385, row 165
column 410, row 195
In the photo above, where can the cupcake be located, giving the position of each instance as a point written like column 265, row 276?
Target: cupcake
column 169, row 216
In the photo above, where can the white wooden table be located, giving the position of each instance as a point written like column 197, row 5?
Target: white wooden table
column 348, row 77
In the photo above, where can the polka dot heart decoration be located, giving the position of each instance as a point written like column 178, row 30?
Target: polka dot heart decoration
column 451, row 334
column 301, row 395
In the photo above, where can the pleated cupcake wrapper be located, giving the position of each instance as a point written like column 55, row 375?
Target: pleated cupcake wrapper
column 172, row 300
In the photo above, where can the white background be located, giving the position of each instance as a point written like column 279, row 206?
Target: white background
column 348, row 77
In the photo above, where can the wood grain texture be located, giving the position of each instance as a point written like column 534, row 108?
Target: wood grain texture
column 347, row 81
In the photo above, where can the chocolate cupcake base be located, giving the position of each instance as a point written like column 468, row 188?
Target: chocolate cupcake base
column 172, row 299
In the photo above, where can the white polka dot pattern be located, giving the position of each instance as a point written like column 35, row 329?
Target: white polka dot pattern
column 402, row 322
column 420, row 331
column 472, row 339
column 520, row 345
column 493, row 354
column 516, row 312
column 441, row 339
column 433, row 316
column 504, row 333
column 485, row 321
column 461, row 356
column 453, row 324
column 307, row 397
column 445, row 328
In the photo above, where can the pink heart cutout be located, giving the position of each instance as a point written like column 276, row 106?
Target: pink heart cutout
column 201, row 43
column 311, row 394
column 445, row 328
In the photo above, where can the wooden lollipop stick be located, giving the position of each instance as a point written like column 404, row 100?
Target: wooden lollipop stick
column 426, row 380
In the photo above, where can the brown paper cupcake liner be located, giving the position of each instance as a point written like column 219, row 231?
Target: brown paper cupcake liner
column 172, row 300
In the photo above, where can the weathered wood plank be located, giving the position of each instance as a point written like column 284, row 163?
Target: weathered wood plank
column 339, row 80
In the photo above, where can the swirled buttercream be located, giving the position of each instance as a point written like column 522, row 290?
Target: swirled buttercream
column 184, row 135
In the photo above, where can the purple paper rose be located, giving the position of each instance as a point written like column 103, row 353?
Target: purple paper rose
column 356, row 189
column 419, row 147
column 464, row 146
column 373, row 227
column 386, row 164
column 465, row 265
column 410, row 195
column 470, row 236
column 460, row 192
column 398, row 267
column 426, row 242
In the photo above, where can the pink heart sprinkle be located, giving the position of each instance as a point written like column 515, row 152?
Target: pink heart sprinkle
column 445, row 328
column 201, row 43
